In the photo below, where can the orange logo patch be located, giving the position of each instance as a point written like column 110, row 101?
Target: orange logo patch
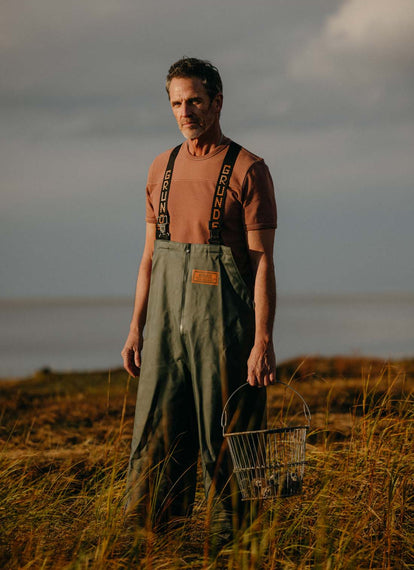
column 205, row 277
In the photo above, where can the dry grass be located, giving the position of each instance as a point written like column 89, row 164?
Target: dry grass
column 64, row 448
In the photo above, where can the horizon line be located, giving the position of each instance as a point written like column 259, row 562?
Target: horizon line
column 129, row 299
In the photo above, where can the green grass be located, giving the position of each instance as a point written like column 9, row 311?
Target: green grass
column 64, row 450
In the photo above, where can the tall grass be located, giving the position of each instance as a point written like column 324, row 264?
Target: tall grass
column 63, row 459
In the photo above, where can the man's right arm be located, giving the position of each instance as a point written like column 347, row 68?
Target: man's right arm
column 131, row 353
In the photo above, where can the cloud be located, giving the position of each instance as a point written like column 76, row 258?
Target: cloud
column 98, row 67
column 323, row 90
column 364, row 41
column 356, row 70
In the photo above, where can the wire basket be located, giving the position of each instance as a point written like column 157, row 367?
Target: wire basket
column 270, row 462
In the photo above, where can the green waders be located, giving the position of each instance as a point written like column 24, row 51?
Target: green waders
column 198, row 336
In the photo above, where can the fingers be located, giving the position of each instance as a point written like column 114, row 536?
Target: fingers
column 251, row 378
column 132, row 361
column 268, row 376
column 257, row 377
column 261, row 370
column 137, row 358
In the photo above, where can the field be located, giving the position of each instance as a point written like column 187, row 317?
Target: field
column 64, row 450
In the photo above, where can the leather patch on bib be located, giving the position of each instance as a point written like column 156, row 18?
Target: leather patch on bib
column 205, row 277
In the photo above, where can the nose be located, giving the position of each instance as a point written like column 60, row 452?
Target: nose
column 185, row 109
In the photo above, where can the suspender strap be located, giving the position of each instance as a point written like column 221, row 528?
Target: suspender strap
column 163, row 220
column 217, row 210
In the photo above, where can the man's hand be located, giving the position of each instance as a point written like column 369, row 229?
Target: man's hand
column 261, row 366
column 131, row 354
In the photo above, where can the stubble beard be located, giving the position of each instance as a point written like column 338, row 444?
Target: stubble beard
column 193, row 132
column 197, row 131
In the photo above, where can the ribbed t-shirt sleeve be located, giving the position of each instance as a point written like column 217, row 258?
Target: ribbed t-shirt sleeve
column 258, row 195
column 150, row 214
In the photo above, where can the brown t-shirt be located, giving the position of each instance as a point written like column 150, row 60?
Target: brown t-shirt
column 250, row 201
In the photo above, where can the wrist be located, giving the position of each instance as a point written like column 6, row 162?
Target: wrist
column 263, row 341
column 134, row 329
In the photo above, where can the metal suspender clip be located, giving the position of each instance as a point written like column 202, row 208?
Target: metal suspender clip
column 163, row 227
column 162, row 232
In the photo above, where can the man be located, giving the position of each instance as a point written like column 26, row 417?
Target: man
column 206, row 294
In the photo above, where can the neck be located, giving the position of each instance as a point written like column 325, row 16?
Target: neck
column 206, row 142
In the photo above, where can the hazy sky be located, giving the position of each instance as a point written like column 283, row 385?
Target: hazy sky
column 322, row 89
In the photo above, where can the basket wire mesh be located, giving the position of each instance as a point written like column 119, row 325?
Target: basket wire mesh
column 270, row 462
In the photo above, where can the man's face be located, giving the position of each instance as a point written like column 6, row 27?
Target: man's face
column 193, row 110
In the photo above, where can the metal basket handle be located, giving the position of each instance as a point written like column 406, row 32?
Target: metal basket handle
column 306, row 410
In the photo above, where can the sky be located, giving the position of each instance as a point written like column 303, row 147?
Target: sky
column 323, row 90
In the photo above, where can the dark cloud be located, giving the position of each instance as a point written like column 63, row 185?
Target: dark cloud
column 323, row 90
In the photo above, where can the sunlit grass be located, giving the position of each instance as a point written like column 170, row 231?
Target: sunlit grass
column 63, row 458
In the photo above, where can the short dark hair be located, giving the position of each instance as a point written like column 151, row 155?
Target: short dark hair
column 193, row 67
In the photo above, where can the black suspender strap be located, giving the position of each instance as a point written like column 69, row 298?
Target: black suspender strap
column 163, row 220
column 217, row 210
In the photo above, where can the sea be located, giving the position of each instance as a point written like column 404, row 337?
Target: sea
column 88, row 334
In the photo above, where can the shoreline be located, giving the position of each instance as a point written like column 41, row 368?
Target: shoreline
column 82, row 336
column 336, row 364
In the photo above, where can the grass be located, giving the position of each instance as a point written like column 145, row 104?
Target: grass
column 63, row 456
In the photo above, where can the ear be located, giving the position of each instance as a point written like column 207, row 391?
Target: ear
column 218, row 102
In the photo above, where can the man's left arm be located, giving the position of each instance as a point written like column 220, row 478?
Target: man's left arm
column 261, row 365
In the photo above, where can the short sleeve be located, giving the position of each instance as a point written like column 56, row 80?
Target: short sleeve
column 150, row 215
column 258, row 195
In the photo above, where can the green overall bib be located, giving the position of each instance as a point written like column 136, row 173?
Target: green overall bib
column 198, row 337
